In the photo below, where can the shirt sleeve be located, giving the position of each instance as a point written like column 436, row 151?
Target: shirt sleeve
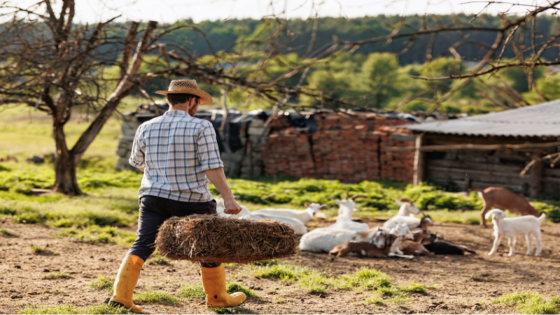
column 208, row 153
column 138, row 153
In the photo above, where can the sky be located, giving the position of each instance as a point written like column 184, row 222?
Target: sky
column 172, row 10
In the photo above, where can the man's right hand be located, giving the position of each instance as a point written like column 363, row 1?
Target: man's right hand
column 232, row 207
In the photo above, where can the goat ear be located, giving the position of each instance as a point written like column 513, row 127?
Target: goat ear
column 307, row 204
column 323, row 207
column 359, row 196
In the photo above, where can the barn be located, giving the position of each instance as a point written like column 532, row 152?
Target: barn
column 494, row 149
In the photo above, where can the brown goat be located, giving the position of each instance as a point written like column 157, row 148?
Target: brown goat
column 364, row 249
column 415, row 247
column 501, row 198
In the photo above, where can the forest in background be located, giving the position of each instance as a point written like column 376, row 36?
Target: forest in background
column 376, row 76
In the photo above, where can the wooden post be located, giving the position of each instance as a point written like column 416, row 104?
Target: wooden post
column 536, row 175
column 419, row 161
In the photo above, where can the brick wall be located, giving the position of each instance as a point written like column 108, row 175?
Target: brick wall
column 347, row 148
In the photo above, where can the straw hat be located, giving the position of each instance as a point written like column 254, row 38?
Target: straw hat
column 186, row 86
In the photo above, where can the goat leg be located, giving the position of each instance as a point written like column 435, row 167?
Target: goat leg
column 529, row 245
column 538, row 241
column 511, row 243
column 496, row 244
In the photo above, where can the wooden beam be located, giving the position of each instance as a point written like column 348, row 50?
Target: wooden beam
column 483, row 147
column 536, row 176
column 419, row 161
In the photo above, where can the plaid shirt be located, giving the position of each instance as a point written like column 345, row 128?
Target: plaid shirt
column 175, row 149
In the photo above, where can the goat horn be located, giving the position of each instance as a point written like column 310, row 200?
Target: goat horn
column 323, row 207
column 347, row 194
column 359, row 196
column 405, row 200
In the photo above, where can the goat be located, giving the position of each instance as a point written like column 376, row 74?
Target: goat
column 365, row 249
column 501, row 198
column 407, row 207
column 511, row 227
column 405, row 215
column 423, row 233
column 344, row 221
column 324, row 239
column 439, row 246
column 303, row 215
column 220, row 209
column 414, row 246
column 295, row 224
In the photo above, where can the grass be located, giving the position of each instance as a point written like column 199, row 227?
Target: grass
column 191, row 292
column 414, row 287
column 156, row 297
column 528, row 302
column 96, row 234
column 7, row 233
column 237, row 287
column 159, row 260
column 56, row 275
column 40, row 250
column 101, row 283
column 319, row 282
column 67, row 309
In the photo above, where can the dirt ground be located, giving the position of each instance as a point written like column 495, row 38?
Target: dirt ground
column 461, row 283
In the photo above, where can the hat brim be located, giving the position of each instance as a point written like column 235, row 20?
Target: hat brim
column 205, row 98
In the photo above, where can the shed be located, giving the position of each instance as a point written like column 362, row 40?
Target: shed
column 492, row 150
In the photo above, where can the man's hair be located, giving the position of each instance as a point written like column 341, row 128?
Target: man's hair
column 175, row 99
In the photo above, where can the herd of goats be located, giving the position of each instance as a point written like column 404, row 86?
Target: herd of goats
column 404, row 235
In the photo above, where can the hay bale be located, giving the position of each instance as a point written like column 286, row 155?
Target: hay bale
column 213, row 239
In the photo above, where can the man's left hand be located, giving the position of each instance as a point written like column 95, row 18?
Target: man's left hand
column 232, row 207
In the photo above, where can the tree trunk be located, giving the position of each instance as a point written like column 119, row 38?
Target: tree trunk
column 65, row 175
column 66, row 181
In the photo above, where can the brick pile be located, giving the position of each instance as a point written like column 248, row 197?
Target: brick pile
column 288, row 151
column 348, row 148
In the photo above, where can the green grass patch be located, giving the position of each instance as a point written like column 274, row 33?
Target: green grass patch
column 156, row 297
column 369, row 279
column 159, row 260
column 237, row 287
column 7, row 233
column 101, row 283
column 191, row 292
column 67, row 309
column 41, row 250
column 56, row 275
column 528, row 302
column 414, row 287
column 95, row 234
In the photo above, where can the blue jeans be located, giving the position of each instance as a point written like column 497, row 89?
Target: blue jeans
column 153, row 212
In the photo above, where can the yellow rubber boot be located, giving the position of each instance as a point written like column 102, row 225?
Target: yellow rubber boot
column 126, row 282
column 214, row 283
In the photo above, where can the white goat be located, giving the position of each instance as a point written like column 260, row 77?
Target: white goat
column 324, row 240
column 407, row 207
column 405, row 215
column 295, row 224
column 511, row 227
column 220, row 209
column 302, row 215
column 346, row 209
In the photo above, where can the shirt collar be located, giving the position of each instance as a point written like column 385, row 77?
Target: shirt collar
column 173, row 112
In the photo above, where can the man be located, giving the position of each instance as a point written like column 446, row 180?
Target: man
column 178, row 155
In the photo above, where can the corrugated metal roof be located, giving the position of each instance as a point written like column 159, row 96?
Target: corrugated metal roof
column 531, row 121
